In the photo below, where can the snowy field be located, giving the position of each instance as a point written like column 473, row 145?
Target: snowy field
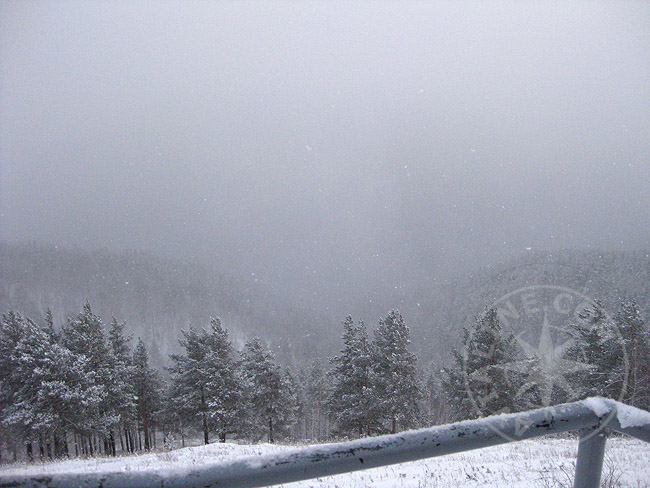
column 535, row 463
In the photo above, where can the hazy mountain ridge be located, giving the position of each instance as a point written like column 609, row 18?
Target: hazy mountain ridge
column 608, row 276
column 157, row 297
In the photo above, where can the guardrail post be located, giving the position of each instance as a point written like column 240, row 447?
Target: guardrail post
column 589, row 465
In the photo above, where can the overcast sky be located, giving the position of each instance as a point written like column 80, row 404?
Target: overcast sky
column 329, row 148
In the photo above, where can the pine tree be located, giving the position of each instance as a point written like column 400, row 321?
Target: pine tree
column 316, row 388
column 206, row 383
column 147, row 387
column 295, row 402
column 49, row 326
column 636, row 339
column 597, row 344
column 118, row 342
column 53, row 396
column 13, row 330
column 121, row 391
column 171, row 420
column 226, row 385
column 352, row 403
column 395, row 374
column 436, row 405
column 480, row 381
column 188, row 391
column 269, row 392
column 84, row 336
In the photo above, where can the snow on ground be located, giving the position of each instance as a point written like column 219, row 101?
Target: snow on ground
column 534, row 463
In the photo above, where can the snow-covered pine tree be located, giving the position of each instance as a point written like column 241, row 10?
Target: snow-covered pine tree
column 225, row 384
column 394, row 373
column 436, row 406
column 118, row 342
column 66, row 394
column 316, row 389
column 121, row 392
column 189, row 393
column 171, row 422
column 636, row 337
column 207, row 385
column 295, row 399
column 147, row 389
column 300, row 426
column 351, row 403
column 13, row 330
column 599, row 345
column 49, row 326
column 32, row 411
column 269, row 393
column 479, row 380
column 54, row 395
column 83, row 335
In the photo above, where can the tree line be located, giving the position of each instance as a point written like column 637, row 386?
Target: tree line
column 81, row 389
column 77, row 390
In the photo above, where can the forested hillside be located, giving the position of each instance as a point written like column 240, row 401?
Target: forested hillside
column 611, row 277
column 156, row 297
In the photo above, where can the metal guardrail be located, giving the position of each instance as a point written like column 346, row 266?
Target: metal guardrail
column 591, row 417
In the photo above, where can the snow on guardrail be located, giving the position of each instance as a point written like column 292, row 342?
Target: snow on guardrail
column 589, row 416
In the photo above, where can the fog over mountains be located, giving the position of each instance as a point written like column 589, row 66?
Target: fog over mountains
column 316, row 159
column 158, row 297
